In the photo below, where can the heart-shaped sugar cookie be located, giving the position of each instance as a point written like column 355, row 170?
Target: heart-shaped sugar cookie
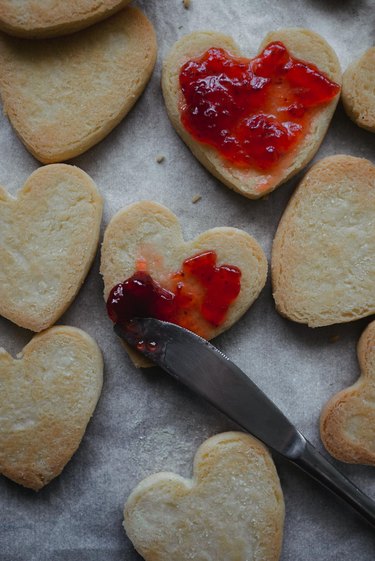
column 358, row 90
column 232, row 509
column 47, row 396
column 323, row 267
column 347, row 423
column 221, row 104
column 146, row 238
column 64, row 95
column 50, row 18
column 48, row 239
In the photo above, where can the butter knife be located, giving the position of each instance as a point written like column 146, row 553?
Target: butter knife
column 208, row 372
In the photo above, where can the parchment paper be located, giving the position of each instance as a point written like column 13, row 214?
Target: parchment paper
column 145, row 422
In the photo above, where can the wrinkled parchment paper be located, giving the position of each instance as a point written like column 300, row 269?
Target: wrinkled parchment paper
column 145, row 422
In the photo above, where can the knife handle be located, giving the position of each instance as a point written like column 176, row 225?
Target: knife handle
column 313, row 463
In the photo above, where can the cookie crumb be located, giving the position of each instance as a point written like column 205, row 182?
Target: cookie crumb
column 160, row 158
column 196, row 198
column 334, row 338
column 186, row 4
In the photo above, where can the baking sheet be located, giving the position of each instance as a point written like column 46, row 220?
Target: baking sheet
column 145, row 422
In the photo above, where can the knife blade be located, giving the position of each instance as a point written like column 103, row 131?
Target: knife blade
column 207, row 371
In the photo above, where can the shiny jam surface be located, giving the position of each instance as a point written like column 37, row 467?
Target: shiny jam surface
column 198, row 296
column 252, row 111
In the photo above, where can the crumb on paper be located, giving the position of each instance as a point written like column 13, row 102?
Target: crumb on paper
column 334, row 338
column 186, row 4
column 196, row 198
column 180, row 27
column 160, row 158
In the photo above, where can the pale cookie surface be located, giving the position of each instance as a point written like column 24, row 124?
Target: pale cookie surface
column 47, row 396
column 64, row 95
column 323, row 267
column 150, row 231
column 358, row 90
column 231, row 510
column 347, row 423
column 301, row 43
column 48, row 239
column 50, row 18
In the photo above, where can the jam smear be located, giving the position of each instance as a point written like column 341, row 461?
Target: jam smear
column 252, row 111
column 199, row 290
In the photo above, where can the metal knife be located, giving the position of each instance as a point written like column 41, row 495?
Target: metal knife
column 208, row 372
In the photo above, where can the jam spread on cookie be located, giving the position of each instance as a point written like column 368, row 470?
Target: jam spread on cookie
column 196, row 297
column 255, row 111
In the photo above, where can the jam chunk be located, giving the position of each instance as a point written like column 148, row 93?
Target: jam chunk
column 197, row 297
column 253, row 112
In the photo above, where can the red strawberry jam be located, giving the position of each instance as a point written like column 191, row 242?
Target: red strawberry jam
column 256, row 111
column 198, row 296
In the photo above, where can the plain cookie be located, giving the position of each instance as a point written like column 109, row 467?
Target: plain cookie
column 64, row 95
column 323, row 267
column 50, row 18
column 48, row 238
column 358, row 90
column 231, row 510
column 48, row 395
column 347, row 423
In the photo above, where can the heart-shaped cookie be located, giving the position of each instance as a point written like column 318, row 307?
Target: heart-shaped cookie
column 146, row 236
column 50, row 18
column 64, row 95
column 48, row 239
column 247, row 178
column 323, row 267
column 232, row 509
column 347, row 423
column 358, row 90
column 47, row 396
